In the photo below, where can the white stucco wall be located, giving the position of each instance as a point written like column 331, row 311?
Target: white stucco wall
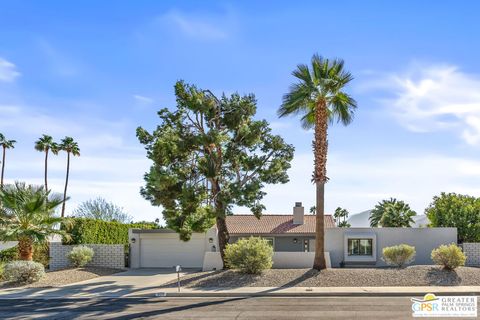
column 136, row 236
column 423, row 239
column 281, row 260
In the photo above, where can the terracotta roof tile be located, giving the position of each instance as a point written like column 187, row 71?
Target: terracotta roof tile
column 273, row 224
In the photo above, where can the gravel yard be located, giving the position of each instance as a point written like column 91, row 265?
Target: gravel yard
column 65, row 276
column 355, row 277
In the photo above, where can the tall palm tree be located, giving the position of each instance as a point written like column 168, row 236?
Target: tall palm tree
column 46, row 144
column 27, row 216
column 319, row 98
column 71, row 148
column 5, row 144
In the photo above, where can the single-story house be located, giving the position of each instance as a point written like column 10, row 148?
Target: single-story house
column 292, row 237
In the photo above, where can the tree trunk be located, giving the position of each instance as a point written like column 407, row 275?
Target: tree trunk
column 25, row 248
column 3, row 167
column 223, row 235
column 46, row 166
column 320, row 177
column 66, row 185
column 319, row 261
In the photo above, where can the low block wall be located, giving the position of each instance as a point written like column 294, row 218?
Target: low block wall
column 472, row 251
column 106, row 255
column 281, row 260
column 294, row 260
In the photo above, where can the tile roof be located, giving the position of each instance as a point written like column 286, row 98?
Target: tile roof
column 273, row 224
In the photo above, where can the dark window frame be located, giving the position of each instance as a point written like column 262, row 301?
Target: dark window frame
column 357, row 251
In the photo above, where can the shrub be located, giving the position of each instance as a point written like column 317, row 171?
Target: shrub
column 80, row 256
column 399, row 255
column 2, row 266
column 450, row 257
column 251, row 255
column 23, row 271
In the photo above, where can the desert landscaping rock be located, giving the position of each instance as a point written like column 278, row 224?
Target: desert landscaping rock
column 66, row 276
column 354, row 277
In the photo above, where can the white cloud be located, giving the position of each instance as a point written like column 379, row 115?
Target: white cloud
column 434, row 98
column 142, row 99
column 8, row 71
column 358, row 182
column 199, row 26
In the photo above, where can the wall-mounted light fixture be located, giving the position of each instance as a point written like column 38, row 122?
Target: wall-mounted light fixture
column 295, row 240
column 133, row 240
column 210, row 240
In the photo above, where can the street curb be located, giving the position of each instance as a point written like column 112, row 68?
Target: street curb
column 307, row 294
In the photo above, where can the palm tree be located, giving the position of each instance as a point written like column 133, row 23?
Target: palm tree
column 46, row 144
column 6, row 144
column 70, row 147
column 319, row 99
column 26, row 216
column 392, row 213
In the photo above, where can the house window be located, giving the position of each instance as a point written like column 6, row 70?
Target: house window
column 360, row 247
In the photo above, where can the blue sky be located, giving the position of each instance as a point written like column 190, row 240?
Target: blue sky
column 97, row 70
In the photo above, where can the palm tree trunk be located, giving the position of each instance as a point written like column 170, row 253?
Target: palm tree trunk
column 66, row 185
column 320, row 177
column 25, row 248
column 319, row 261
column 3, row 167
column 46, row 168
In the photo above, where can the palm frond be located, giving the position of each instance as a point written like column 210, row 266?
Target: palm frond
column 28, row 211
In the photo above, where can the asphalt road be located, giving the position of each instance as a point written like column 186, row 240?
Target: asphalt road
column 210, row 308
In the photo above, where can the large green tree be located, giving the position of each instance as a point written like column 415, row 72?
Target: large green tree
column 392, row 213
column 71, row 148
column 46, row 144
column 458, row 211
column 209, row 155
column 319, row 98
column 5, row 144
column 27, row 216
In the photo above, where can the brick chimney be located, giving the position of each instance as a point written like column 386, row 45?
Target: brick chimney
column 298, row 213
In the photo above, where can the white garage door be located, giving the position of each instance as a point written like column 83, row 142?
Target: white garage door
column 167, row 250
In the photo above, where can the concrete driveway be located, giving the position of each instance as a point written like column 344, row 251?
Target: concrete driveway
column 134, row 282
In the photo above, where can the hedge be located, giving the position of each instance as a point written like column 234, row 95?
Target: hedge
column 93, row 231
